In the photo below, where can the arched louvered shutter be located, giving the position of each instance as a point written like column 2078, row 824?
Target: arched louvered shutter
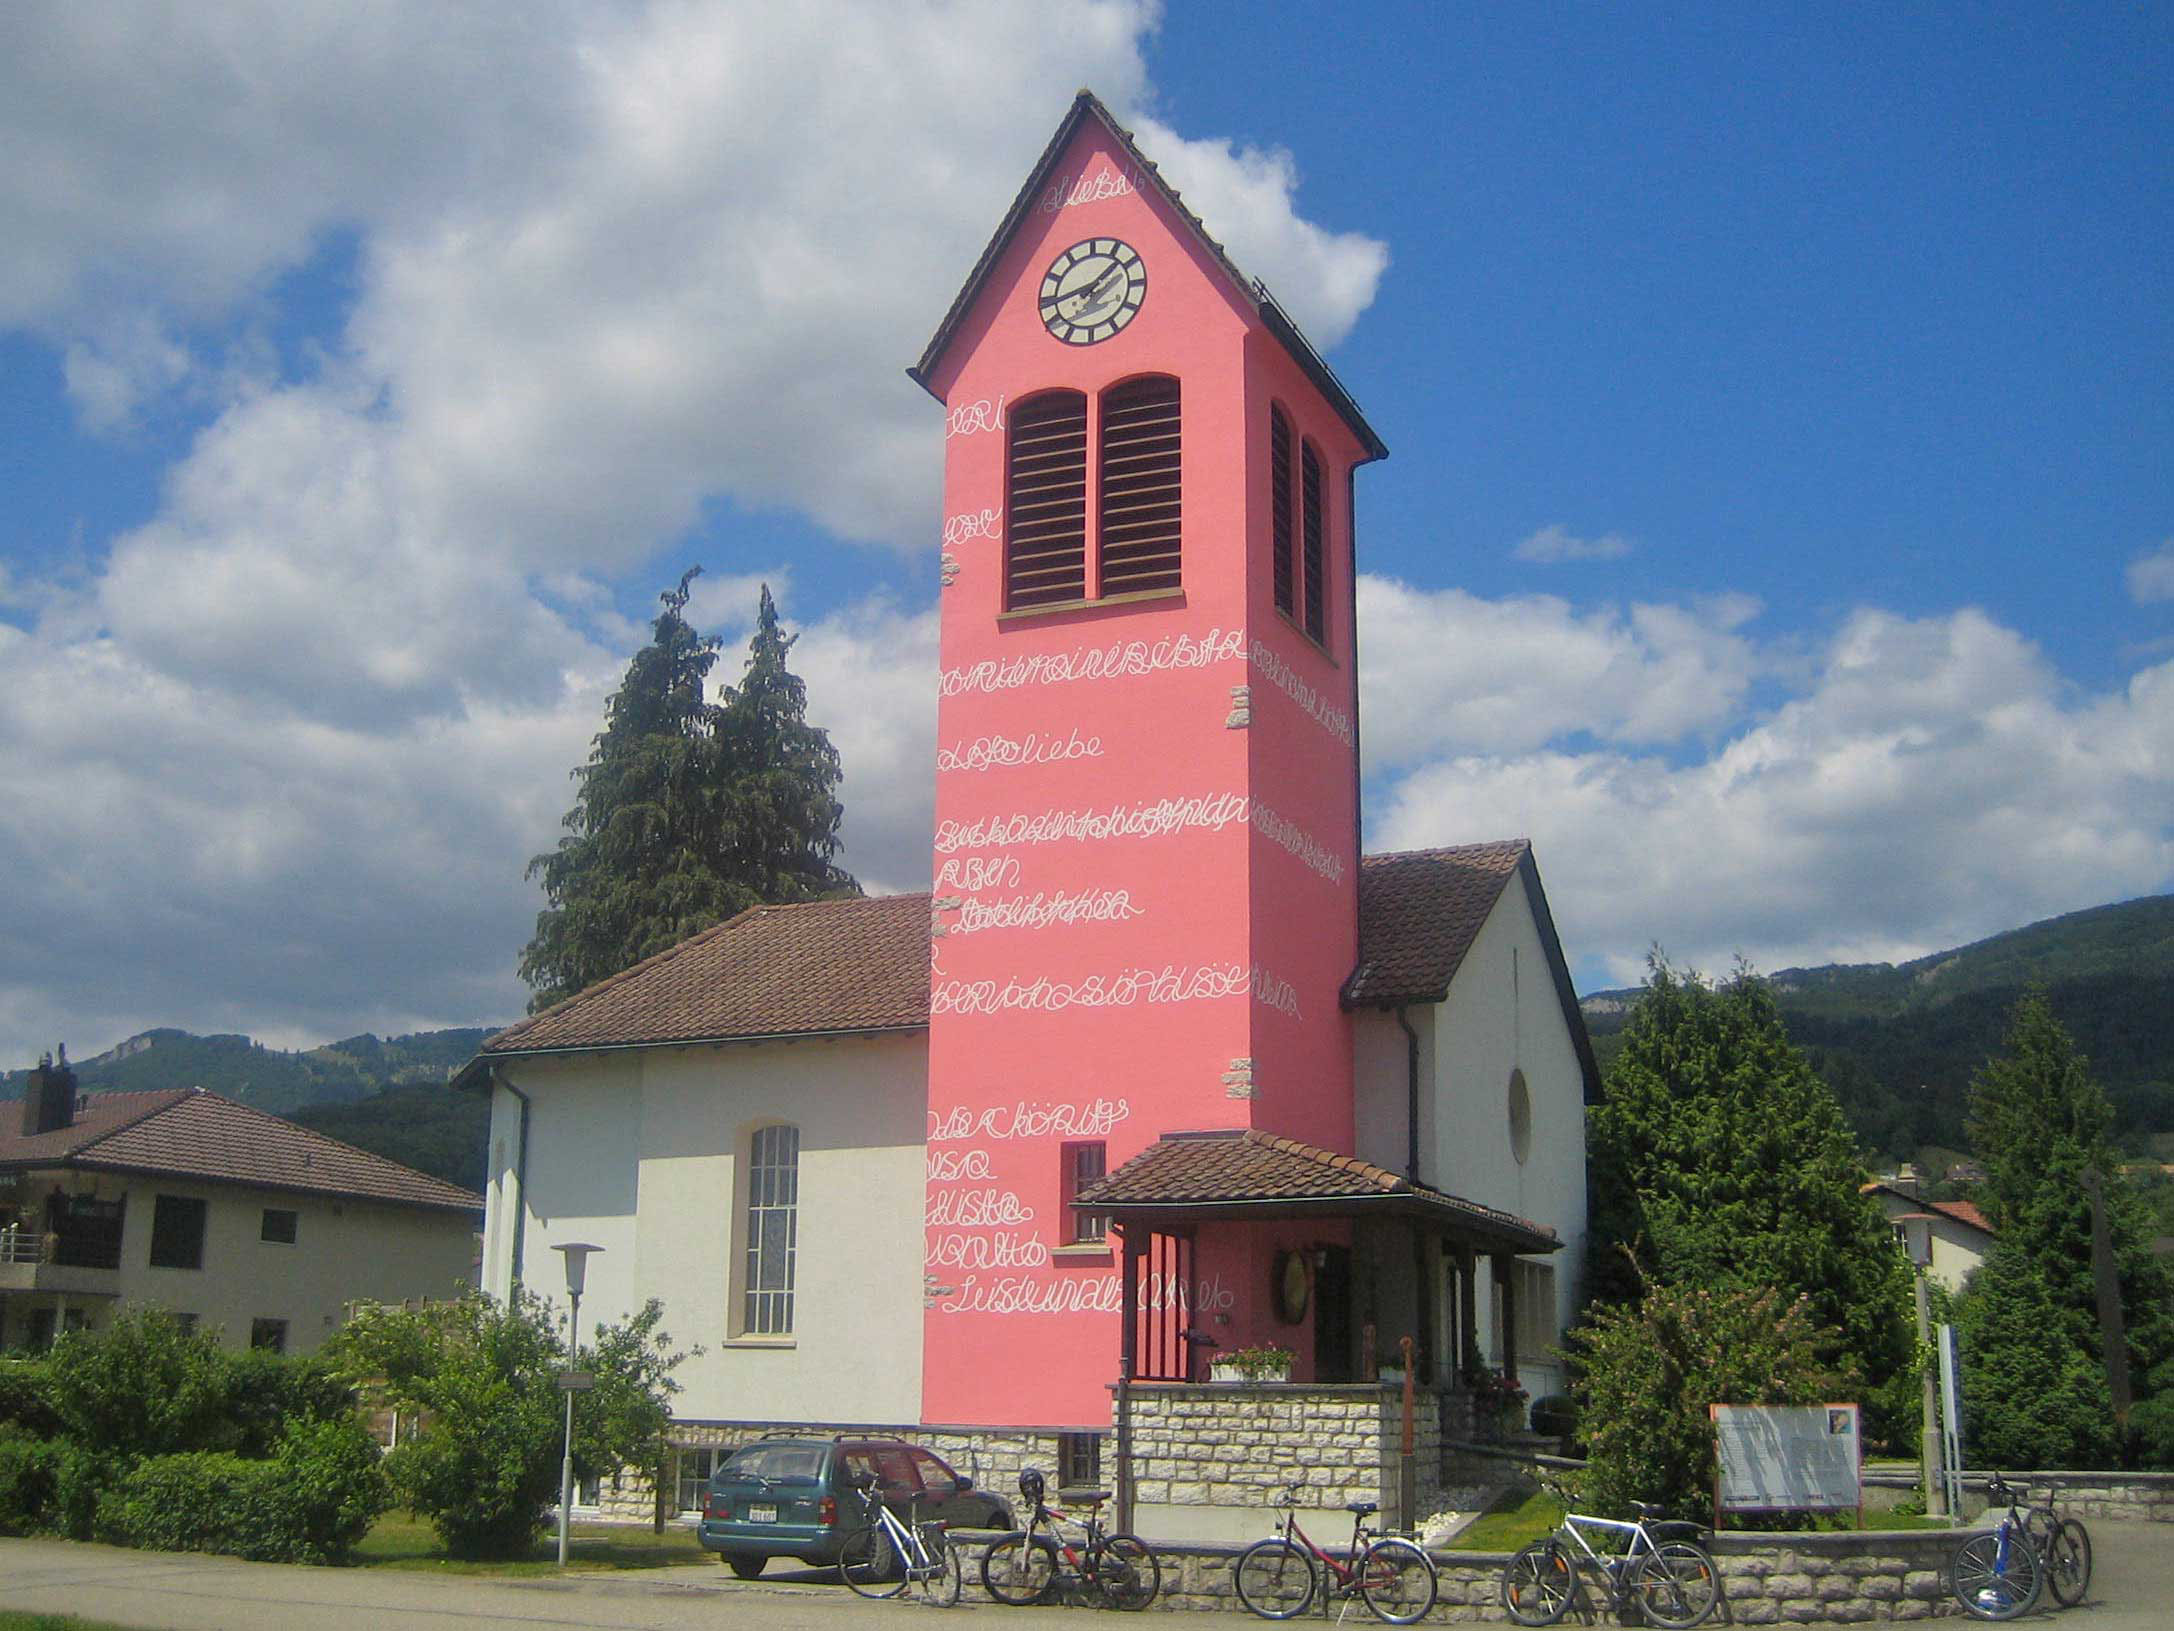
column 1140, row 470
column 1279, row 510
column 1315, row 548
column 1045, row 507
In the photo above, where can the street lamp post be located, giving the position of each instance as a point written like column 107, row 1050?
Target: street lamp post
column 577, row 1272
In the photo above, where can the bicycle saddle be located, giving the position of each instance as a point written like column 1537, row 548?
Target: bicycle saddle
column 1362, row 1508
column 1646, row 1509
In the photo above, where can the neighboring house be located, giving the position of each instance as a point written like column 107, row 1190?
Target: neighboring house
column 1953, row 1236
column 1161, row 1067
column 238, row 1221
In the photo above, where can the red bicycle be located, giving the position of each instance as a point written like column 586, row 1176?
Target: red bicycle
column 1277, row 1578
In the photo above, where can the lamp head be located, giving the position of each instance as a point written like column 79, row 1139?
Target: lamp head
column 577, row 1264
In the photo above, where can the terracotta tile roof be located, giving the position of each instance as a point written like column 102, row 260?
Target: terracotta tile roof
column 188, row 1133
column 1419, row 912
column 839, row 965
column 1966, row 1213
column 1248, row 1167
column 1963, row 1212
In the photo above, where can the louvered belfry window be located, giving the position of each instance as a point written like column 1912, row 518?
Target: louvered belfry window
column 1045, row 536
column 1310, row 512
column 1279, row 510
column 1140, row 508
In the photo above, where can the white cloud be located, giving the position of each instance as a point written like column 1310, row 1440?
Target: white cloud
column 1556, row 543
column 1447, row 672
column 1934, row 782
column 2151, row 576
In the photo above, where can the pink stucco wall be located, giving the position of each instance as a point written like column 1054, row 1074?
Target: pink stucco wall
column 1200, row 935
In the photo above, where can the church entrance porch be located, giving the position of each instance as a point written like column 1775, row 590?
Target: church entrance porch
column 1255, row 1247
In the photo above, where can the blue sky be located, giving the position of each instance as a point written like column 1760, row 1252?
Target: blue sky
column 1779, row 527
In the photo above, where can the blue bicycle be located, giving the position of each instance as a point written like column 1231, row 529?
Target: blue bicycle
column 1998, row 1576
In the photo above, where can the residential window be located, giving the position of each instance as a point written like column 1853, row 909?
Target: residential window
column 695, row 1467
column 1134, row 430
column 187, row 1322
column 773, row 1207
column 1083, row 1164
column 271, row 1334
column 177, row 1232
column 1079, row 1460
column 279, row 1227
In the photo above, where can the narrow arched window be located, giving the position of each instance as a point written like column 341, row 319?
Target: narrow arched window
column 1314, row 547
column 1045, row 501
column 1279, row 511
column 773, row 1227
column 1141, row 510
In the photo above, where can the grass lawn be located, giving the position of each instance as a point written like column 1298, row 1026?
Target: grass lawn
column 12, row 1621
column 1515, row 1521
column 400, row 1540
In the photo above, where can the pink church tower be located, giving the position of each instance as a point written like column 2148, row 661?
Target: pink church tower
column 1147, row 812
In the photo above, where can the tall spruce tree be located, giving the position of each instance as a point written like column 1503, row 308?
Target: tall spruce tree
column 688, row 811
column 2035, row 1355
column 1718, row 1154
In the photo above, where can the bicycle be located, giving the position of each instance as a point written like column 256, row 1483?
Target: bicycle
column 884, row 1554
column 1662, row 1570
column 1999, row 1575
column 1278, row 1577
column 1029, row 1565
column 2064, row 1546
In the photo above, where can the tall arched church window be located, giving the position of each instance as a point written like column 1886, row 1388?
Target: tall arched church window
column 1140, row 510
column 1045, row 528
column 1282, row 566
column 1314, row 547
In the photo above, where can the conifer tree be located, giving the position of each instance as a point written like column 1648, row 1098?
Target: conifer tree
column 1721, row 1158
column 2039, row 1125
column 688, row 811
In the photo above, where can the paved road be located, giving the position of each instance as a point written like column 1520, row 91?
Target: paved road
column 2132, row 1590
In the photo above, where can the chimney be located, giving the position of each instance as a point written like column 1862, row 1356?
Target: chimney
column 49, row 1097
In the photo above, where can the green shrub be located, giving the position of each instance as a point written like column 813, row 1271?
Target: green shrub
column 81, row 1478
column 264, row 1393
column 309, row 1504
column 26, row 1480
column 1647, row 1373
column 25, row 1396
column 145, row 1385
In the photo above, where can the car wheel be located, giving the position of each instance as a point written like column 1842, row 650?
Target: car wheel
column 746, row 1567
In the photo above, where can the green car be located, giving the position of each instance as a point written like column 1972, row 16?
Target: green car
column 794, row 1497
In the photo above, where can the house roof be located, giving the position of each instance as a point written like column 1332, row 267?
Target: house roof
column 817, row 968
column 1249, row 291
column 1966, row 1213
column 1262, row 1175
column 189, row 1133
column 1420, row 912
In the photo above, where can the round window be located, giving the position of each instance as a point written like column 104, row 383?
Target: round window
column 1520, row 1117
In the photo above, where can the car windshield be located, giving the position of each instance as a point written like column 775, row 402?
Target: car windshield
column 773, row 1463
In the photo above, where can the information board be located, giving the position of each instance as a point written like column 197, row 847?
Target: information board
column 1787, row 1457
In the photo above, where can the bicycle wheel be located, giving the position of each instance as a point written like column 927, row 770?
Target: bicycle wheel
column 2068, row 1563
column 1127, row 1570
column 1018, row 1569
column 940, row 1579
column 1397, row 1580
column 1676, row 1585
column 1275, row 1579
column 1997, row 1582
column 870, row 1564
column 1539, row 1583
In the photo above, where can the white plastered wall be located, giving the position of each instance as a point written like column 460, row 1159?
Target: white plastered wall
column 640, row 1151
column 1503, row 1014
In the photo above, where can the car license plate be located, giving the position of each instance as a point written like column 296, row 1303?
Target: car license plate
column 762, row 1514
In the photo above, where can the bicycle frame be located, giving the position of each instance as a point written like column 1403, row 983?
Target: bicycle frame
column 1346, row 1573
column 1610, row 1564
column 909, row 1538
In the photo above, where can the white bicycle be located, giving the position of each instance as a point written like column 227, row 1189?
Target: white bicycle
column 884, row 1554
column 1661, row 1569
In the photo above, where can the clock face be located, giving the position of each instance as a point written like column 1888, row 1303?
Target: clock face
column 1092, row 290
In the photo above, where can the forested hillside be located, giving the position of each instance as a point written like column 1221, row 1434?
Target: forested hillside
column 1899, row 1043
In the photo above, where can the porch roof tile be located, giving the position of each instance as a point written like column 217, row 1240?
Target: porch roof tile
column 1262, row 1172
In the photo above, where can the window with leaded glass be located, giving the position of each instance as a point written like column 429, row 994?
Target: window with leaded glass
column 773, row 1206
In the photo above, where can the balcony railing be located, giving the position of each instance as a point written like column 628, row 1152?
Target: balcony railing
column 62, row 1251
